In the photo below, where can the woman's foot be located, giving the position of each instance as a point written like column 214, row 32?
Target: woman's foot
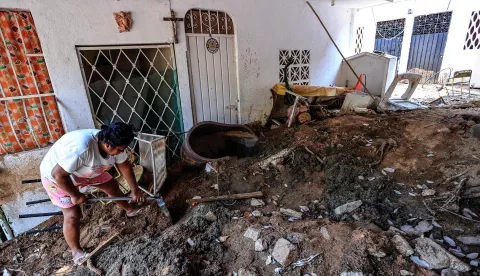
column 135, row 211
column 79, row 256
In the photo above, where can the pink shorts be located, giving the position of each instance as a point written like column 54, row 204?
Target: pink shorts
column 61, row 199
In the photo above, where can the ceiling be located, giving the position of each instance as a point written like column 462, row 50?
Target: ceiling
column 358, row 3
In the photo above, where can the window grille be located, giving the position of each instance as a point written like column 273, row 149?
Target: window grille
column 135, row 85
column 359, row 40
column 473, row 33
column 299, row 70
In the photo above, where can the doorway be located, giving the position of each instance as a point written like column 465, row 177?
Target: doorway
column 212, row 63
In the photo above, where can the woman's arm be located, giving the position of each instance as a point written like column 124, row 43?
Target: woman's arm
column 127, row 171
column 64, row 182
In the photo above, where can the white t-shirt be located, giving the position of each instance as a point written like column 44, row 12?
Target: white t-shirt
column 77, row 153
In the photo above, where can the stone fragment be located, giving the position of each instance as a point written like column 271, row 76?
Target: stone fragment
column 450, row 241
column 469, row 240
column 252, row 233
column 437, row 256
column 389, row 170
column 402, row 245
column 257, row 202
column 347, row 208
column 257, row 213
column 284, row 252
column 324, row 232
column 423, row 226
column 428, row 192
column 246, row 272
column 260, row 245
column 223, row 238
column 444, row 130
column 406, row 273
column 291, row 213
column 450, row 272
column 210, row 216
column 376, row 253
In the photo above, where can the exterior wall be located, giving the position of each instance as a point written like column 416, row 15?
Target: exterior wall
column 262, row 29
column 454, row 56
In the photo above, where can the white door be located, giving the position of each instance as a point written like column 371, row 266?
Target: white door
column 211, row 46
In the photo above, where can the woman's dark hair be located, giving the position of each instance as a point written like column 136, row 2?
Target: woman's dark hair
column 116, row 134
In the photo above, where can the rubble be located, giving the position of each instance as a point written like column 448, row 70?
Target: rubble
column 257, row 213
column 437, row 257
column 402, row 245
column 347, row 208
column 469, row 240
column 252, row 233
column 255, row 202
column 450, row 272
column 260, row 245
column 284, row 252
column 324, row 232
column 428, row 192
column 291, row 213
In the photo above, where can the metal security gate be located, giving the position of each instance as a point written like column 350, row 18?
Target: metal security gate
column 429, row 38
column 211, row 45
column 389, row 37
column 137, row 85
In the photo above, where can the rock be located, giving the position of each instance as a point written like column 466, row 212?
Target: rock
column 474, row 263
column 295, row 237
column 428, row 192
column 291, row 213
column 410, row 230
column 450, row 272
column 402, row 245
column 324, row 232
column 456, row 253
column 246, row 272
column 284, row 252
column 210, row 216
column 252, row 233
column 444, row 130
column 469, row 240
column 223, row 238
column 437, row 256
column 257, row 213
column 406, row 273
column 269, row 260
column 376, row 253
column 361, row 177
column 304, row 209
column 450, row 241
column 470, row 123
column 475, row 131
column 260, row 245
column 424, row 226
column 257, row 202
column 351, row 273
column 347, row 208
column 389, row 170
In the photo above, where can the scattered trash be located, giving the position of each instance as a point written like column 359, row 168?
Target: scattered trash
column 472, row 255
column 420, row 262
column 304, row 209
column 450, row 241
column 397, row 192
column 430, row 155
column 389, row 170
column 267, row 227
column 305, row 261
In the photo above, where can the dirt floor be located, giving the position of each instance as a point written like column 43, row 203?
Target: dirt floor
column 385, row 160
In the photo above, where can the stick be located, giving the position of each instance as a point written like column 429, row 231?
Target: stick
column 225, row 197
column 338, row 49
column 272, row 159
column 99, row 247
column 316, row 156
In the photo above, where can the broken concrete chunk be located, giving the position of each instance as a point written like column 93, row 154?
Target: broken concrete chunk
column 469, row 240
column 324, row 232
column 260, row 245
column 210, row 216
column 252, row 233
column 450, row 272
column 437, row 256
column 246, row 272
column 428, row 192
column 257, row 213
column 402, row 245
column 347, row 208
column 284, row 252
column 291, row 213
column 376, row 253
column 257, row 202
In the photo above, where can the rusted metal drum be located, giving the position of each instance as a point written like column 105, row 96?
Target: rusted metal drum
column 209, row 141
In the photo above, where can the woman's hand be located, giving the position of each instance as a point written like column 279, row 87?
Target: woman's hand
column 137, row 195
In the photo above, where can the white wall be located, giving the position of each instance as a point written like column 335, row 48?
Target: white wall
column 454, row 56
column 262, row 28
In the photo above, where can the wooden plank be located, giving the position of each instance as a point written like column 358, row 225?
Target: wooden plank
column 225, row 197
column 225, row 79
column 202, row 65
column 100, row 247
column 211, row 84
column 232, row 79
column 217, row 64
column 194, row 66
